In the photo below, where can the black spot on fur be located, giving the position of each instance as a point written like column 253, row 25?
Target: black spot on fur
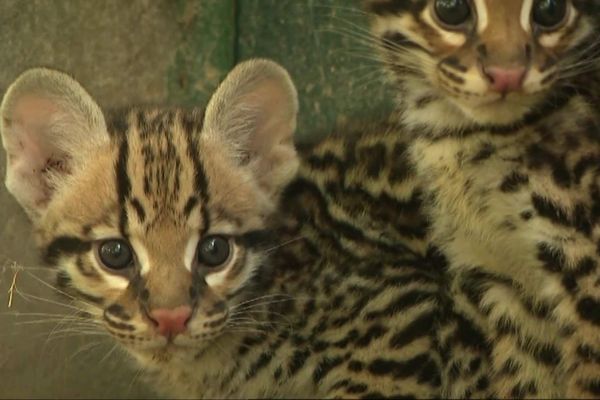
column 486, row 151
column 373, row 159
column 548, row 209
column 589, row 309
column 513, row 182
column 398, row 369
column 374, row 332
column 324, row 367
column 401, row 303
column 401, row 167
column 552, row 258
column 418, row 328
column 482, row 383
column 355, row 366
column 297, row 362
column 263, row 360
column 356, row 388
column 526, row 215
column 510, row 367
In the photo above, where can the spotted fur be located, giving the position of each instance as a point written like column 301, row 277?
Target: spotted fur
column 510, row 185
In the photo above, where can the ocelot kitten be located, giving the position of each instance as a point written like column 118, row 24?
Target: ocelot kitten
column 185, row 234
column 499, row 104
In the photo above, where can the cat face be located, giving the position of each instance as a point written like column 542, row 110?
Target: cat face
column 157, row 221
column 493, row 60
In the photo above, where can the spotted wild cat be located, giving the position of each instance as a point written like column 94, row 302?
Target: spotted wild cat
column 164, row 225
column 500, row 103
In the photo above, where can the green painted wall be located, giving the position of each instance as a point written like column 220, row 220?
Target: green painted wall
column 324, row 45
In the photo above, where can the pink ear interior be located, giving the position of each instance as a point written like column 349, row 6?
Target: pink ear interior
column 31, row 154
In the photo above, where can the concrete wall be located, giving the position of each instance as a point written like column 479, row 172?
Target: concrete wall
column 154, row 52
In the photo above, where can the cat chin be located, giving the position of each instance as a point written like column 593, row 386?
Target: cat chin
column 160, row 355
column 497, row 112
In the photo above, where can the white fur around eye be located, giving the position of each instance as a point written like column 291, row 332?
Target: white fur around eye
column 190, row 251
column 455, row 39
column 482, row 15
column 116, row 281
column 141, row 255
column 526, row 15
column 217, row 279
column 103, row 233
column 551, row 39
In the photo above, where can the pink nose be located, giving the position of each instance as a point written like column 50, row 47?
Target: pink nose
column 505, row 79
column 171, row 322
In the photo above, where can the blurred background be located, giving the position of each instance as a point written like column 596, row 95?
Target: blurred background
column 160, row 52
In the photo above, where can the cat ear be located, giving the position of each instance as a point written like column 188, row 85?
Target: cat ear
column 48, row 124
column 253, row 114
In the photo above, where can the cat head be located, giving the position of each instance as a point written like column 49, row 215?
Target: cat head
column 157, row 221
column 485, row 61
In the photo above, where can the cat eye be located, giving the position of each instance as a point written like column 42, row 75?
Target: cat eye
column 115, row 254
column 213, row 251
column 549, row 14
column 452, row 12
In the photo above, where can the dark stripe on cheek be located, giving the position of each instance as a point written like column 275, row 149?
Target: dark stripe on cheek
column 123, row 184
column 454, row 63
column 63, row 280
column 65, row 245
column 118, row 311
column 452, row 76
column 393, row 41
column 423, row 102
column 64, row 284
column 119, row 325
column 89, row 298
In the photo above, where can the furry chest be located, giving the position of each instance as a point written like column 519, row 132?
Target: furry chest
column 464, row 181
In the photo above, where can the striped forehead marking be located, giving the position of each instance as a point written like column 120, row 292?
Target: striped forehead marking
column 494, row 16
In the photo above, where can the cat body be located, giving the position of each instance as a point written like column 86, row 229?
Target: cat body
column 499, row 101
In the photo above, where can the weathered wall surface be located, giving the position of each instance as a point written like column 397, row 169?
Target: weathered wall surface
column 154, row 52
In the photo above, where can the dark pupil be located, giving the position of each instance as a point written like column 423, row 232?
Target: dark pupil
column 452, row 12
column 549, row 13
column 115, row 254
column 213, row 251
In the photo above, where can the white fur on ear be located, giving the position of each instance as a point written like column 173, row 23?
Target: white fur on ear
column 48, row 125
column 253, row 113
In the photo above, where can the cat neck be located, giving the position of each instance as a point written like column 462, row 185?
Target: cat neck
column 424, row 112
